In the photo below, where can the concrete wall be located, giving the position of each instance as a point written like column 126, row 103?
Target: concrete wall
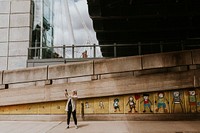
column 25, row 75
column 104, row 105
column 117, row 65
column 102, row 87
column 1, row 77
column 167, row 59
column 101, row 78
column 15, row 26
column 106, row 68
column 71, row 70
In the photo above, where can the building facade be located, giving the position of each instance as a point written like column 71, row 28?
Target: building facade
column 40, row 29
column 15, row 33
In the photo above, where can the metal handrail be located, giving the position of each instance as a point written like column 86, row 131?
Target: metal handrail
column 94, row 46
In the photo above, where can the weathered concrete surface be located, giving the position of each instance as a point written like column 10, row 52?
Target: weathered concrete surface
column 1, row 78
column 22, row 95
column 25, row 75
column 105, row 67
column 167, row 59
column 102, row 87
column 196, row 56
column 70, row 70
column 101, row 127
column 117, row 65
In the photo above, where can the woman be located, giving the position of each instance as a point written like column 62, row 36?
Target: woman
column 71, row 107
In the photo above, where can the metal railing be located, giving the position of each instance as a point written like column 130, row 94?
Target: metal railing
column 109, row 50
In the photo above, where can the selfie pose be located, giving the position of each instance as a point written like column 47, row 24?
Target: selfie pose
column 71, row 107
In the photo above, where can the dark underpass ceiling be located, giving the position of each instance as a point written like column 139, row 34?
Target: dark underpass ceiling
column 149, row 26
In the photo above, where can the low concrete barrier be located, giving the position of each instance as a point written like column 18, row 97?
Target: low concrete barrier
column 117, row 65
column 25, row 75
column 196, row 56
column 1, row 77
column 105, row 66
column 70, row 70
column 167, row 59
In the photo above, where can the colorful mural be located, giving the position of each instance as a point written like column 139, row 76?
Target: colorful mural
column 176, row 101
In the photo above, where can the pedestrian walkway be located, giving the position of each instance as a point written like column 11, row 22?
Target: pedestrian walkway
column 101, row 127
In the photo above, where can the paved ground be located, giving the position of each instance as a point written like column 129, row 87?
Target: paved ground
column 101, row 127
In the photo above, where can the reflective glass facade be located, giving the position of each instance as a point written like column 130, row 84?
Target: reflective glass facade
column 60, row 23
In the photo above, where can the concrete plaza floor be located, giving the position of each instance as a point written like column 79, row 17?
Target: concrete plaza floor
column 101, row 127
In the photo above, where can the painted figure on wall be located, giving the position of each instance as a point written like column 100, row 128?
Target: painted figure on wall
column 101, row 105
column 161, row 102
column 177, row 100
column 131, row 104
column 87, row 105
column 192, row 99
column 116, row 104
column 147, row 102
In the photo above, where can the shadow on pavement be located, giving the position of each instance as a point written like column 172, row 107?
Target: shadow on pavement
column 83, row 125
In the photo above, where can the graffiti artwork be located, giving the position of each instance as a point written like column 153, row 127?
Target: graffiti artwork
column 161, row 102
column 116, row 104
column 101, row 105
column 131, row 104
column 147, row 102
column 192, row 100
column 87, row 105
column 177, row 100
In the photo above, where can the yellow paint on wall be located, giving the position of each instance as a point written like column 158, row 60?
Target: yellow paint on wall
column 198, row 99
column 44, row 108
column 127, row 107
column 104, row 105
column 78, row 107
column 32, row 108
column 119, row 110
column 191, row 107
column 4, row 110
column 164, row 107
column 141, row 102
column 14, row 109
column 58, row 107
column 175, row 106
column 101, row 105
column 88, row 106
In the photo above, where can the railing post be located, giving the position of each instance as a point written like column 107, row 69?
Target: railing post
column 139, row 48
column 161, row 46
column 73, row 51
column 94, row 45
column 115, row 50
column 63, row 51
column 182, row 45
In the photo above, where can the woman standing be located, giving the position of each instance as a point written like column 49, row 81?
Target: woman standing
column 71, row 107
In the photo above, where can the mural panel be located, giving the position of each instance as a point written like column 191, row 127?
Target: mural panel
column 58, row 107
column 131, row 103
column 176, row 101
column 101, row 105
column 146, row 103
column 161, row 102
column 88, row 106
column 44, row 108
column 116, row 104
